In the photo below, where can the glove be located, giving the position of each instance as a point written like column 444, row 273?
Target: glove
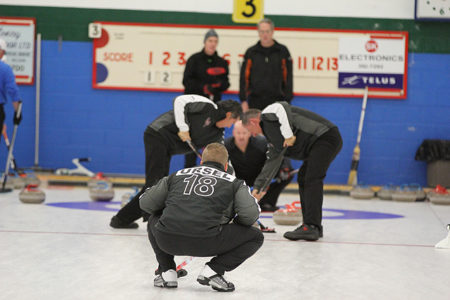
column 17, row 118
column 289, row 141
column 184, row 135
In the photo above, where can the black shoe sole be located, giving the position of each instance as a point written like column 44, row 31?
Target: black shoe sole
column 115, row 223
column 166, row 287
column 309, row 239
column 129, row 226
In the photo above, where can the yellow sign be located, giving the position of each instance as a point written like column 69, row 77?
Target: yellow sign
column 248, row 11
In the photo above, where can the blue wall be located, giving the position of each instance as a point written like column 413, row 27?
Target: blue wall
column 78, row 121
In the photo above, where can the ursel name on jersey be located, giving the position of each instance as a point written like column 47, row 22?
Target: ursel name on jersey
column 202, row 170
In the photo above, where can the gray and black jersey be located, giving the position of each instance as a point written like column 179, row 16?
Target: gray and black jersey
column 197, row 201
column 193, row 113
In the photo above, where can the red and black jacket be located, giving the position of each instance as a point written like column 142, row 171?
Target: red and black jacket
column 206, row 76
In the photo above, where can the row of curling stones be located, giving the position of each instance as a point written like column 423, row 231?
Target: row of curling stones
column 404, row 193
column 21, row 181
column 291, row 215
column 31, row 194
column 100, row 188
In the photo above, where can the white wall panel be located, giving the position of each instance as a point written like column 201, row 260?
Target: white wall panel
column 389, row 9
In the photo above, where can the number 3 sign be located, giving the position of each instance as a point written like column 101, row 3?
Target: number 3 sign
column 248, row 11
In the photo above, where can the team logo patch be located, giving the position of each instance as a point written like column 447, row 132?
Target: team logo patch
column 216, row 71
column 207, row 122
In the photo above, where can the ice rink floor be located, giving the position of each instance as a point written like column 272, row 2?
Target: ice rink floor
column 371, row 249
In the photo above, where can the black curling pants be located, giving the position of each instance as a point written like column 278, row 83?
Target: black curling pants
column 230, row 247
column 190, row 160
column 312, row 173
column 157, row 164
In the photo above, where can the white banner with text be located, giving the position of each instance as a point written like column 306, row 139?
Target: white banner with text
column 153, row 56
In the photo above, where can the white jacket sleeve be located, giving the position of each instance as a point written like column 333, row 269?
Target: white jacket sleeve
column 278, row 110
column 179, row 109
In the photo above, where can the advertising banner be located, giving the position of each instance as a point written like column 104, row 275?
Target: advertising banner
column 138, row 56
column 375, row 61
column 19, row 35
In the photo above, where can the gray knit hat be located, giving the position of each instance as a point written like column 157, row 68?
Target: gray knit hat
column 209, row 34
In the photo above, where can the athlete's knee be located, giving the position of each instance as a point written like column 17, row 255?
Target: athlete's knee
column 258, row 236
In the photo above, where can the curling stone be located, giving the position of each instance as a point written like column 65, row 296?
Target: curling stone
column 439, row 195
column 32, row 194
column 15, row 182
column 362, row 192
column 406, row 193
column 128, row 196
column 100, row 188
column 93, row 181
column 420, row 193
column 439, row 198
column 33, row 180
column 287, row 216
column 385, row 193
column 19, row 182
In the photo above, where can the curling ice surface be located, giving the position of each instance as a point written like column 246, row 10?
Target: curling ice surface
column 50, row 251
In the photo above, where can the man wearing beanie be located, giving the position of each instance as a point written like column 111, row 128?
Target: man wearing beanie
column 206, row 74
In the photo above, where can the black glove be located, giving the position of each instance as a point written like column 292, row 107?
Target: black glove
column 17, row 118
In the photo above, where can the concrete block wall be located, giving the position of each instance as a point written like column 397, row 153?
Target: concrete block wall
column 78, row 121
column 108, row 125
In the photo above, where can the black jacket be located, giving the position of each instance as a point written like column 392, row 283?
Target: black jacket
column 202, row 69
column 196, row 201
column 266, row 76
column 249, row 164
column 198, row 115
column 280, row 121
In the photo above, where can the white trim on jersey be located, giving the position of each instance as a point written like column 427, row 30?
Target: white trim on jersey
column 278, row 110
column 179, row 105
